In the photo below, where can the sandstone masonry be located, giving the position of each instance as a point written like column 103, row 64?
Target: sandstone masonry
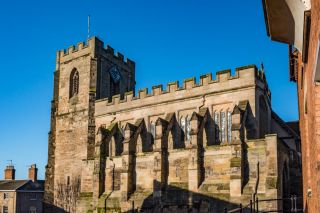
column 202, row 146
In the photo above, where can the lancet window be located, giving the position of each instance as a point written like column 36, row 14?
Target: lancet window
column 216, row 126
column 185, row 125
column 223, row 126
column 188, row 128
column 74, row 83
column 153, row 129
column 229, row 117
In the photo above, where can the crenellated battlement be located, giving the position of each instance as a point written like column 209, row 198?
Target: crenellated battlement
column 248, row 73
column 74, row 49
column 91, row 46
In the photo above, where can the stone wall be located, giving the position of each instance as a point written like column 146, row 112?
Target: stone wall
column 230, row 178
column 72, row 132
column 203, row 145
column 309, row 108
column 222, row 174
column 8, row 199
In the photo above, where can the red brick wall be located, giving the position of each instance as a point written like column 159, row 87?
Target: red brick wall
column 309, row 112
column 9, row 174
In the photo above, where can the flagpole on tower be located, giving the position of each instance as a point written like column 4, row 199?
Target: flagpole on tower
column 88, row 27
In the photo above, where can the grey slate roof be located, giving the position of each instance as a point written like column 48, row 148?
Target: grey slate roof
column 33, row 186
column 16, row 185
column 12, row 184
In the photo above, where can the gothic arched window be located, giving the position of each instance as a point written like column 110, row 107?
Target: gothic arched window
column 74, row 83
column 223, row 126
column 183, row 127
column 217, row 127
column 153, row 129
column 188, row 128
column 229, row 122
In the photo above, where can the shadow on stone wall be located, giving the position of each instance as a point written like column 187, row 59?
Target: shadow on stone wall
column 175, row 199
column 48, row 208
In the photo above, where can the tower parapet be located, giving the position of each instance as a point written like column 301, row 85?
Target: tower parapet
column 91, row 46
column 243, row 75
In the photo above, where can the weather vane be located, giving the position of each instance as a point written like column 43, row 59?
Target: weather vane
column 10, row 164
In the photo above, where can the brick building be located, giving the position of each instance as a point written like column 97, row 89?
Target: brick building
column 21, row 196
column 202, row 146
column 297, row 23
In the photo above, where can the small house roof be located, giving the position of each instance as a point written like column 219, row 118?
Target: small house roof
column 25, row 185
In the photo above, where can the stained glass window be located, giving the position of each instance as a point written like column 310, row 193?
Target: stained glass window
column 229, row 127
column 183, row 125
column 216, row 126
column 223, row 126
column 188, row 128
column 153, row 129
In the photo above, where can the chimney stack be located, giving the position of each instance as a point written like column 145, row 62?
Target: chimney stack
column 9, row 173
column 33, row 171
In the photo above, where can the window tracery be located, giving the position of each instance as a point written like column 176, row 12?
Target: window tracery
column 188, row 128
column 74, row 83
column 217, row 125
column 153, row 129
column 183, row 126
column 229, row 117
column 223, row 126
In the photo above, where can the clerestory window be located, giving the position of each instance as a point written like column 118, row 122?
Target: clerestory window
column 185, row 125
column 223, row 126
column 188, row 128
column 229, row 126
column 217, row 127
column 153, row 129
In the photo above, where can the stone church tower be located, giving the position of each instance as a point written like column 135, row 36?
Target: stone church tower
column 83, row 74
column 192, row 147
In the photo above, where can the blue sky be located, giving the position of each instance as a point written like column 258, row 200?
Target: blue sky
column 168, row 39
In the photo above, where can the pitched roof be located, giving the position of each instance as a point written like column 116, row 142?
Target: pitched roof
column 285, row 125
column 16, row 185
column 294, row 125
column 12, row 184
column 33, row 186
